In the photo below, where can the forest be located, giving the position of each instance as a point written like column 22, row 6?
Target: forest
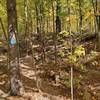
column 50, row 50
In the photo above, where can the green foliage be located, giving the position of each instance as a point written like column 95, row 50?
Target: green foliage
column 3, row 14
column 61, row 54
column 80, row 51
column 47, row 12
column 64, row 33
column 72, row 58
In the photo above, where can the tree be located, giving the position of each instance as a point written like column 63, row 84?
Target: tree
column 11, row 12
column 80, row 15
column 15, row 83
column 58, row 20
column 96, row 8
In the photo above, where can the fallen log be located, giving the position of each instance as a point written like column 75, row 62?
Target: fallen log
column 87, row 37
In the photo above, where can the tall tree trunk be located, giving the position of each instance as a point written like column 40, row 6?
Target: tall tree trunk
column 98, row 24
column 58, row 21
column 69, row 23
column 26, row 17
column 15, row 84
column 11, row 12
column 53, row 16
column 97, row 21
column 58, row 29
column 54, row 38
column 42, row 24
column 37, row 18
column 80, row 16
column 98, row 35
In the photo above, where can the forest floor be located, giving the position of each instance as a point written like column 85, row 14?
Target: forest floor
column 49, row 90
column 87, row 83
column 91, row 86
